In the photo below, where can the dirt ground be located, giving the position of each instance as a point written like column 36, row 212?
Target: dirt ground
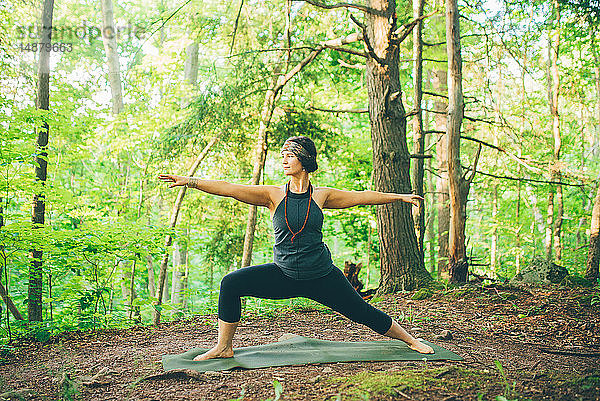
column 533, row 343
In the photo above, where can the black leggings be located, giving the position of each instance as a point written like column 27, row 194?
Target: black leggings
column 268, row 281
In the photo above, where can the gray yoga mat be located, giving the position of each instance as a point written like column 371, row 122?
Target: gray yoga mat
column 300, row 350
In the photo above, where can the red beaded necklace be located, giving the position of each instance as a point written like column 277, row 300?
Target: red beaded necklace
column 307, row 212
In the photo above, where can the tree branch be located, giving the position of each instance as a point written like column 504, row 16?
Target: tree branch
column 344, row 5
column 349, row 51
column 353, row 66
column 514, row 157
column 370, row 49
column 474, row 168
column 433, row 44
column 402, row 32
column 235, row 26
column 434, row 60
column 503, row 177
column 356, row 111
column 435, row 94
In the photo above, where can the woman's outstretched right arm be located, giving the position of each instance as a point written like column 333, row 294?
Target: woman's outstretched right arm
column 259, row 195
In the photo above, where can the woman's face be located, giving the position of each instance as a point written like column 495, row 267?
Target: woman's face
column 291, row 164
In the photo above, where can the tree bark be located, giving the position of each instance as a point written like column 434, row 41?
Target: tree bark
column 553, row 231
column 162, row 275
column 440, row 105
column 457, row 255
column 429, row 225
column 9, row 303
column 109, row 37
column 34, row 291
column 151, row 280
column 177, row 280
column 402, row 266
column 593, row 259
column 418, row 171
column 596, row 138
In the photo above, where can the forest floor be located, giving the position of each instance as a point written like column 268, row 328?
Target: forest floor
column 539, row 343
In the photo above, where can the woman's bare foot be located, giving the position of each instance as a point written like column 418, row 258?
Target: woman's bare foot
column 215, row 352
column 420, row 347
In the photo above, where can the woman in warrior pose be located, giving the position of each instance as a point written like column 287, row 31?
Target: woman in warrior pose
column 302, row 262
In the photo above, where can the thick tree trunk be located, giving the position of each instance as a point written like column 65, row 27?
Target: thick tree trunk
column 440, row 105
column 34, row 291
column 109, row 37
column 418, row 171
column 162, row 274
column 593, row 259
column 458, row 187
column 402, row 265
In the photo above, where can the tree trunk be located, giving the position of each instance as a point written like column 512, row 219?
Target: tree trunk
column 9, row 303
column 162, row 275
column 4, row 290
column 260, row 152
column 591, row 272
column 596, row 137
column 553, row 78
column 34, row 291
column 134, row 311
column 177, row 280
column 494, row 244
column 549, row 238
column 429, row 225
column 190, row 68
column 458, row 187
column 418, row 171
column 440, row 105
column 125, row 270
column 260, row 155
column 151, row 280
column 109, row 37
column 402, row 266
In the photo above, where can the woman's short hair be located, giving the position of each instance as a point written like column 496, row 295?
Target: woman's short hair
column 308, row 159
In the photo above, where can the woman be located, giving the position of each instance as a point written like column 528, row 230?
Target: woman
column 302, row 262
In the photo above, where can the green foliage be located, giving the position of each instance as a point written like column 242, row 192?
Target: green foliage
column 106, row 212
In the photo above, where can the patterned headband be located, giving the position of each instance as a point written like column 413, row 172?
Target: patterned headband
column 295, row 148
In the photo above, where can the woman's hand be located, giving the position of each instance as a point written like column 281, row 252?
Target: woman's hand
column 175, row 180
column 412, row 198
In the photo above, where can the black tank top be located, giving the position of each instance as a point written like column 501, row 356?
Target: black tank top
column 307, row 257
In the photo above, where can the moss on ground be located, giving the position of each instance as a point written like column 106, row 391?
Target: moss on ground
column 481, row 384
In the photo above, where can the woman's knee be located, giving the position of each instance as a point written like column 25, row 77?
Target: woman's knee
column 230, row 283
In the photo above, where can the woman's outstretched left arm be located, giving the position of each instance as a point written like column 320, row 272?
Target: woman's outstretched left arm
column 339, row 199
